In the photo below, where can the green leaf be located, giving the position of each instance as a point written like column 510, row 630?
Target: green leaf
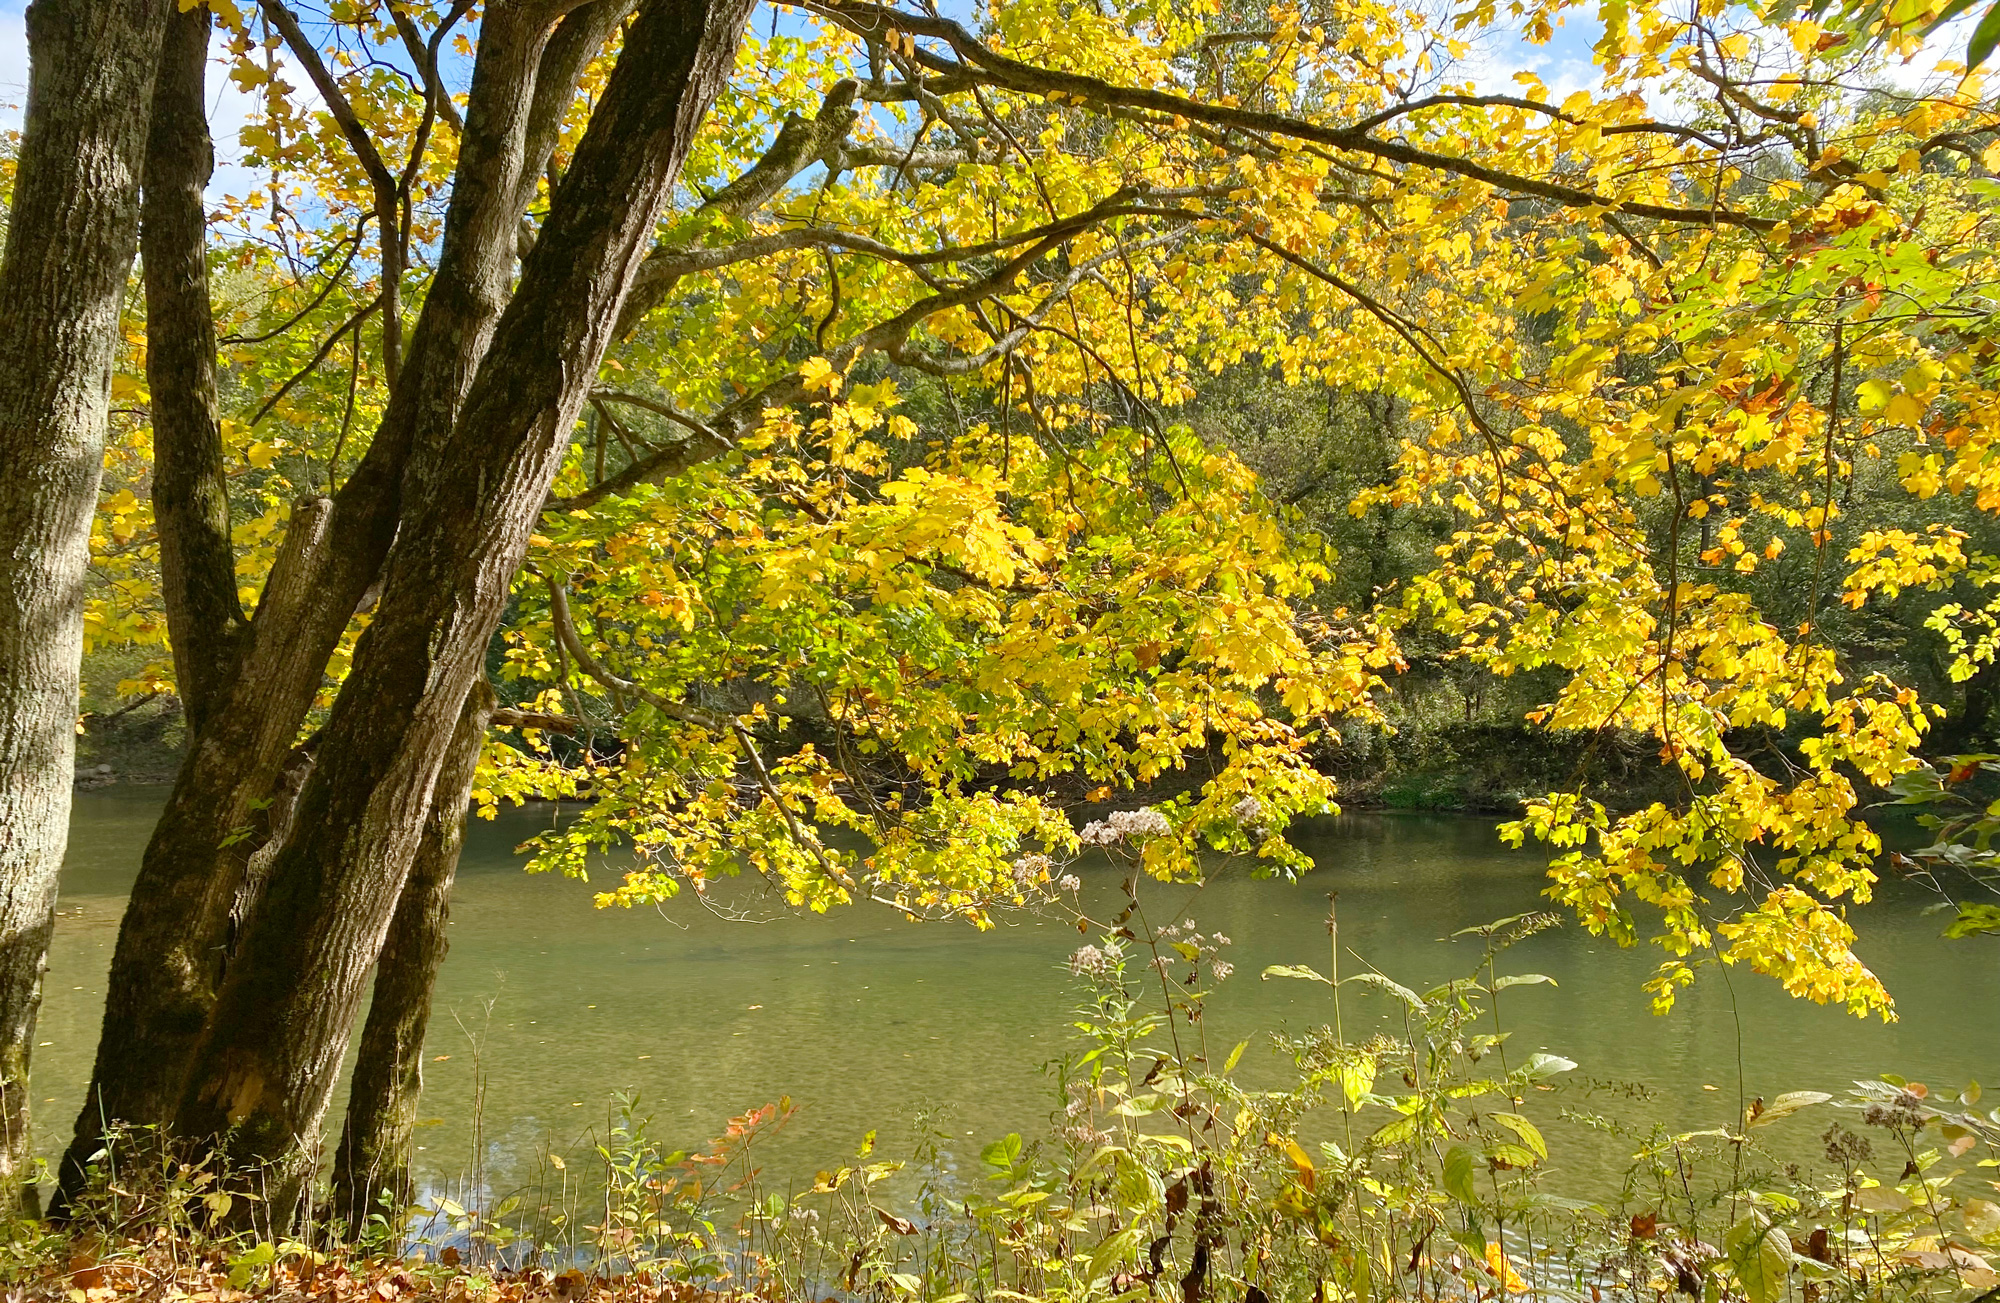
column 1294, row 970
column 1523, row 979
column 1789, row 1103
column 1525, row 1129
column 1142, row 1105
column 1946, row 14
column 1488, row 929
column 243, row 1267
column 1458, row 1175
column 1235, row 1056
column 1760, row 1256
column 1114, row 1249
column 1546, row 1065
column 1974, row 919
column 1397, row 989
column 1356, row 1079
column 1984, row 38
column 1396, row 1132
column 1004, row 1153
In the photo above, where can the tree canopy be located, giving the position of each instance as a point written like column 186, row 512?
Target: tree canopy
column 890, row 530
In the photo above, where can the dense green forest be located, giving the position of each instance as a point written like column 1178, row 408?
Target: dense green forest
column 906, row 458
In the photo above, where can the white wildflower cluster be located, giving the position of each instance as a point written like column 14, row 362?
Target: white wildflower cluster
column 1078, row 1129
column 1031, row 870
column 1070, row 883
column 1090, row 961
column 1249, row 811
column 1125, row 825
column 1185, row 937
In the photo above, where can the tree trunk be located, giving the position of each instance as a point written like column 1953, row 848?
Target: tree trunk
column 372, row 1165
column 175, row 938
column 70, row 238
column 190, row 488
column 276, row 1035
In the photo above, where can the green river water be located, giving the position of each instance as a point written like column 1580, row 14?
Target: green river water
column 863, row 1019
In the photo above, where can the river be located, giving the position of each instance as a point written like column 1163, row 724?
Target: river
column 548, row 1007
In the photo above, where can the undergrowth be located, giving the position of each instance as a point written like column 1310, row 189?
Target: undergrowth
column 1413, row 1166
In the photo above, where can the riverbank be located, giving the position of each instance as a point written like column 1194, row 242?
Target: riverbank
column 1428, row 1165
column 1441, row 766
column 904, row 1058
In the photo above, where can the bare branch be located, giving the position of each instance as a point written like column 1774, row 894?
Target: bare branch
column 1395, row 111
column 353, row 244
column 537, row 720
column 423, row 52
column 388, row 194
column 566, row 632
column 565, row 626
column 718, row 434
column 799, row 143
column 312, row 364
column 987, row 66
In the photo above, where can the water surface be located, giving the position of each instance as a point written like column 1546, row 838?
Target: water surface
column 548, row 1006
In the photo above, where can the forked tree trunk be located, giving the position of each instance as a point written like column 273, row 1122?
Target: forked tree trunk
column 371, row 1167
column 274, row 1040
column 176, row 935
column 70, row 238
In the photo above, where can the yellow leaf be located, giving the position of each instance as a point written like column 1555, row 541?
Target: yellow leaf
column 1300, row 1160
column 1904, row 410
column 819, row 376
column 1502, row 1269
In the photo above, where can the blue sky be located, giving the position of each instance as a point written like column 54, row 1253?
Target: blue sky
column 1564, row 65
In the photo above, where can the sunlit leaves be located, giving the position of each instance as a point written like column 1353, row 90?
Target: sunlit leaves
column 879, row 645
column 997, row 612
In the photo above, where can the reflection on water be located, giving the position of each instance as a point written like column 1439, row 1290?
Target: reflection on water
column 864, row 1019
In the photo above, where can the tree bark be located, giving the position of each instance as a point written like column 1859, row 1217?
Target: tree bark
column 190, row 487
column 70, row 239
column 372, row 1164
column 275, row 1038
column 571, row 47
column 175, row 937
column 799, row 143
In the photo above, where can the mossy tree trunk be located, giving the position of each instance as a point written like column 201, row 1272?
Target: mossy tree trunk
column 71, row 233
column 179, row 931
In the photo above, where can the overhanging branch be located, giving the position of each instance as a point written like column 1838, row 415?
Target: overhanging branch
column 975, row 60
